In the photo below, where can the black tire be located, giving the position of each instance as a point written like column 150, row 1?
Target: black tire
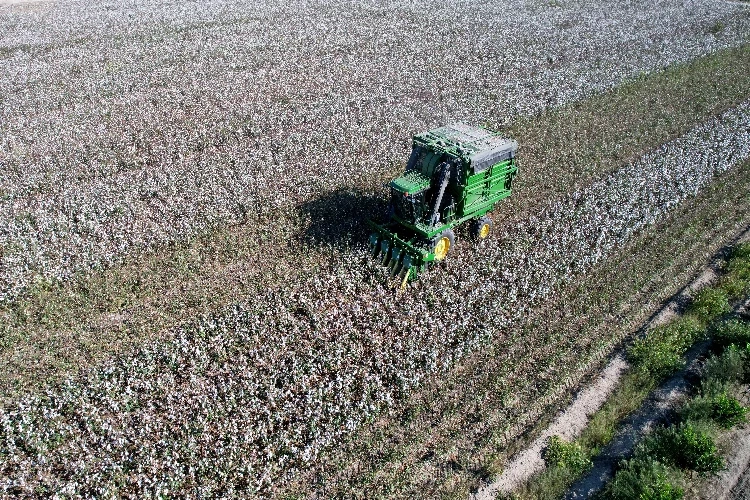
column 450, row 236
column 477, row 228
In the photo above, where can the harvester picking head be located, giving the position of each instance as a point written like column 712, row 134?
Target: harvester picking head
column 403, row 257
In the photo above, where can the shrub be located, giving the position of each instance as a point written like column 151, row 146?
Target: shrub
column 721, row 408
column 732, row 331
column 709, row 303
column 644, row 478
column 685, row 446
column 728, row 367
column 734, row 286
column 739, row 260
column 736, row 280
column 566, row 454
column 660, row 352
column 727, row 411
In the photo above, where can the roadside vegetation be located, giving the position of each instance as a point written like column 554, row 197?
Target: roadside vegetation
column 655, row 470
column 663, row 464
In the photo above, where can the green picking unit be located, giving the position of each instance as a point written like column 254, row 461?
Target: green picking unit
column 455, row 173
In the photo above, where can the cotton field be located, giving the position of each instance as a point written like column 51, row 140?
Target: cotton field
column 124, row 126
column 238, row 401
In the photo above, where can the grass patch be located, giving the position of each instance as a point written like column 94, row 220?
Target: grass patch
column 721, row 408
column 565, row 461
column 729, row 366
column 708, row 304
column 736, row 281
column 731, row 332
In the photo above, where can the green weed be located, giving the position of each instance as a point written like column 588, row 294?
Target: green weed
column 730, row 332
column 659, row 353
column 570, row 455
column 716, row 28
column 644, row 478
column 720, row 408
column 736, row 280
column 730, row 366
column 709, row 303
column 686, row 446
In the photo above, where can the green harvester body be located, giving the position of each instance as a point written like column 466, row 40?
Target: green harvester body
column 456, row 173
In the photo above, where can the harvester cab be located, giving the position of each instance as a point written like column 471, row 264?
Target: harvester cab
column 456, row 173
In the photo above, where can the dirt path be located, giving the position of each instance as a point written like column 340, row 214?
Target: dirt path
column 741, row 489
column 574, row 419
column 655, row 409
column 733, row 483
column 568, row 425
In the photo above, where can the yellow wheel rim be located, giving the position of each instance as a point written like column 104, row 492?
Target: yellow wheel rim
column 484, row 231
column 441, row 249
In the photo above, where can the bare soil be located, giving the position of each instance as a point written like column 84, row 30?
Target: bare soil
column 733, row 483
column 741, row 490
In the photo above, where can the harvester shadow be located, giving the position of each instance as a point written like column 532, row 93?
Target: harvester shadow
column 339, row 219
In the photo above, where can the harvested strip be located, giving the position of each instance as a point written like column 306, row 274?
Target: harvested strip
column 254, row 394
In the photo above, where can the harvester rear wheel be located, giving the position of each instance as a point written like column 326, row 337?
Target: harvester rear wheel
column 442, row 244
column 481, row 228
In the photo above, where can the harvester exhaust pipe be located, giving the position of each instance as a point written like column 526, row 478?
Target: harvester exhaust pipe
column 445, row 177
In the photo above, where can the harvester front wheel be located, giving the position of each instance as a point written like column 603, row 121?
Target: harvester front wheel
column 442, row 244
column 481, row 228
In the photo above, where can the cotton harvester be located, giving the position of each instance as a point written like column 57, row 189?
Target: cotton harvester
column 456, row 173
